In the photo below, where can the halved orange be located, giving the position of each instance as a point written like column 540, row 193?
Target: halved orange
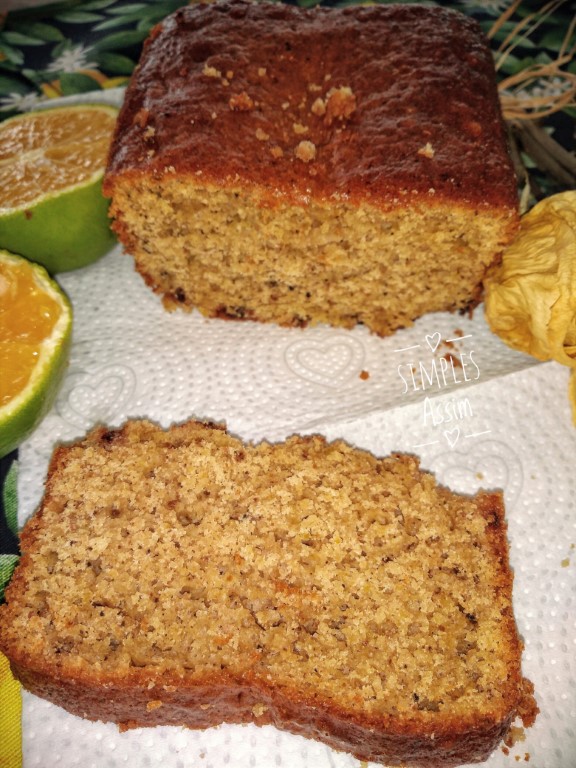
column 35, row 332
column 52, row 210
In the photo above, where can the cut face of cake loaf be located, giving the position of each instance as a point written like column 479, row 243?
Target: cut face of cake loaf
column 182, row 577
column 295, row 166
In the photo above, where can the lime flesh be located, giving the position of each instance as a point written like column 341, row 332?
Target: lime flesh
column 21, row 414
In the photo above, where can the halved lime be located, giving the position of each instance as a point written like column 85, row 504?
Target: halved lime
column 35, row 333
column 52, row 210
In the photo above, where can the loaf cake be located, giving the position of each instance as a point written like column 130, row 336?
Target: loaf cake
column 328, row 165
column 182, row 576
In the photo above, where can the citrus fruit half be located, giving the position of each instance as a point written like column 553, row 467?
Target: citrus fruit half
column 52, row 209
column 35, row 332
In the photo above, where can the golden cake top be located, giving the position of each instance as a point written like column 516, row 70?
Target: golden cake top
column 363, row 103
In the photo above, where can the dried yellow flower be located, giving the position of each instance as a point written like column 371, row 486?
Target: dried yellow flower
column 530, row 298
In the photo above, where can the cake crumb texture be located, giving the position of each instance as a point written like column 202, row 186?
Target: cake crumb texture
column 183, row 577
column 327, row 165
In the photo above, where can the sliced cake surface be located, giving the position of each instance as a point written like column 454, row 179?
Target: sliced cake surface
column 297, row 166
column 184, row 577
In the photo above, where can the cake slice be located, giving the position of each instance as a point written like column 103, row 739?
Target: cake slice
column 327, row 165
column 183, row 577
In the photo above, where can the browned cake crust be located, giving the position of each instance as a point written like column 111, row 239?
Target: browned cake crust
column 267, row 155
column 182, row 577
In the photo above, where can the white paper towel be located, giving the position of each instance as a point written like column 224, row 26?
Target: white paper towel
column 131, row 358
column 507, row 426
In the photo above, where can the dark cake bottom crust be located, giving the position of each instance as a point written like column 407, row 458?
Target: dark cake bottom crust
column 215, row 703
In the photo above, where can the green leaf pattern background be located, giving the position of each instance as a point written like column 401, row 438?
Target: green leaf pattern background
column 9, row 507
